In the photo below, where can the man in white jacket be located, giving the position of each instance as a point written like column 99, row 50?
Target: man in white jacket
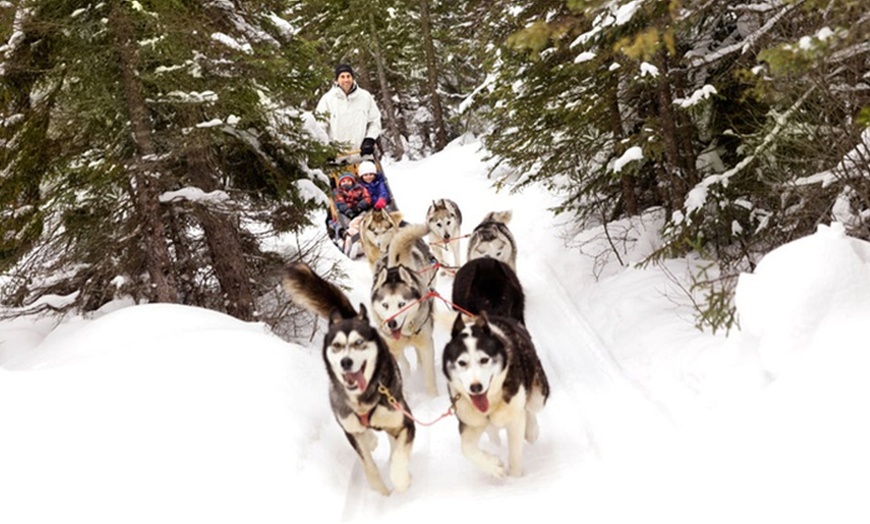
column 352, row 117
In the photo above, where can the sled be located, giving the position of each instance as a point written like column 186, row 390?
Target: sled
column 336, row 222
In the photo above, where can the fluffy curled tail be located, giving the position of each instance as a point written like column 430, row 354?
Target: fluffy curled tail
column 401, row 247
column 310, row 291
column 498, row 216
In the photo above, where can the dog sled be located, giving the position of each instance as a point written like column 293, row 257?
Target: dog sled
column 337, row 223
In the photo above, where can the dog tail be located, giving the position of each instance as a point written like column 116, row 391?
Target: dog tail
column 401, row 247
column 310, row 291
column 498, row 216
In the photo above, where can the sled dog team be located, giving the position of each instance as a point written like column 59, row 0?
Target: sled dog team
column 494, row 376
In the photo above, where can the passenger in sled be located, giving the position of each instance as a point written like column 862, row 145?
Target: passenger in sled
column 351, row 199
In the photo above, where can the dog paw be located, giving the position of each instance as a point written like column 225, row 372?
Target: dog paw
column 401, row 481
column 492, row 466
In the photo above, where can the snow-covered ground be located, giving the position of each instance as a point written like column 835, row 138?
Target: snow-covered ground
column 164, row 413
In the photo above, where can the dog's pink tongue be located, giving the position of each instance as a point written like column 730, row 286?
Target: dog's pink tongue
column 480, row 402
column 356, row 378
column 397, row 334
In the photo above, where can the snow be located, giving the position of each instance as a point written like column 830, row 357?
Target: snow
column 631, row 154
column 585, row 56
column 167, row 413
column 647, row 69
column 193, row 97
column 232, row 42
column 195, row 194
column 696, row 97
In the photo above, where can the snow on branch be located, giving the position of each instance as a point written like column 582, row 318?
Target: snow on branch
column 697, row 197
column 196, row 195
column 701, row 94
column 631, row 154
column 747, row 43
column 854, row 164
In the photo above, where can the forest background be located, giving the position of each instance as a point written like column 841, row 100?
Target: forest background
column 150, row 149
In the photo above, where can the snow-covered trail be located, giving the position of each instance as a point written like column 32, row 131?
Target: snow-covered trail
column 594, row 410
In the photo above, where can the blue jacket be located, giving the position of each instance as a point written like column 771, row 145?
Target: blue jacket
column 377, row 188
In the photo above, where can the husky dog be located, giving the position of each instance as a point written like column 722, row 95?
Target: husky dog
column 491, row 364
column 400, row 307
column 445, row 222
column 492, row 238
column 377, row 228
column 488, row 284
column 365, row 388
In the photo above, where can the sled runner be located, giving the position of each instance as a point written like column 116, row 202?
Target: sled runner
column 337, row 222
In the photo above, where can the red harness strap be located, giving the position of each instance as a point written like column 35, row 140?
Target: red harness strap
column 365, row 419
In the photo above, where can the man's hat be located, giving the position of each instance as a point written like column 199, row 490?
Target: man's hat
column 343, row 68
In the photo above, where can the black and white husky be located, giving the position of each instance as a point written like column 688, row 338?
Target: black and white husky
column 400, row 309
column 365, row 388
column 492, row 365
column 445, row 224
column 492, row 238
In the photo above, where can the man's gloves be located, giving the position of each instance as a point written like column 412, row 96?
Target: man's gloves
column 381, row 203
column 367, row 147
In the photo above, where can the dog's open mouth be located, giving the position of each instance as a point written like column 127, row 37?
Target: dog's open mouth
column 480, row 402
column 356, row 380
column 396, row 334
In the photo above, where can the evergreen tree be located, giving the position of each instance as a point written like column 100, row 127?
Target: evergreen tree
column 141, row 139
column 709, row 111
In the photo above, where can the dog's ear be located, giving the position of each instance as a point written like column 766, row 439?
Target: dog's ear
column 458, row 325
column 482, row 321
column 335, row 316
column 363, row 313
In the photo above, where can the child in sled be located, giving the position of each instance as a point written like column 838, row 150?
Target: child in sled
column 375, row 184
column 351, row 199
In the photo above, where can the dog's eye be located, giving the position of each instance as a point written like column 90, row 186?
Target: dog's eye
column 462, row 363
column 484, row 360
column 385, row 305
column 358, row 342
column 401, row 304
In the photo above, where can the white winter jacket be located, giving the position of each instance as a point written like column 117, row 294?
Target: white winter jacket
column 350, row 117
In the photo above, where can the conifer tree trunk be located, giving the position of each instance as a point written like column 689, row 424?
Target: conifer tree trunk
column 386, row 98
column 222, row 237
column 676, row 169
column 158, row 260
column 629, row 198
column 432, row 73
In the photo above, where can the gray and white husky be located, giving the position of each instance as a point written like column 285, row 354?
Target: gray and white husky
column 445, row 223
column 376, row 230
column 400, row 307
column 492, row 365
column 492, row 238
column 365, row 384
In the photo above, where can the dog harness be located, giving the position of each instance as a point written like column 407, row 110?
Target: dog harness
column 365, row 418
